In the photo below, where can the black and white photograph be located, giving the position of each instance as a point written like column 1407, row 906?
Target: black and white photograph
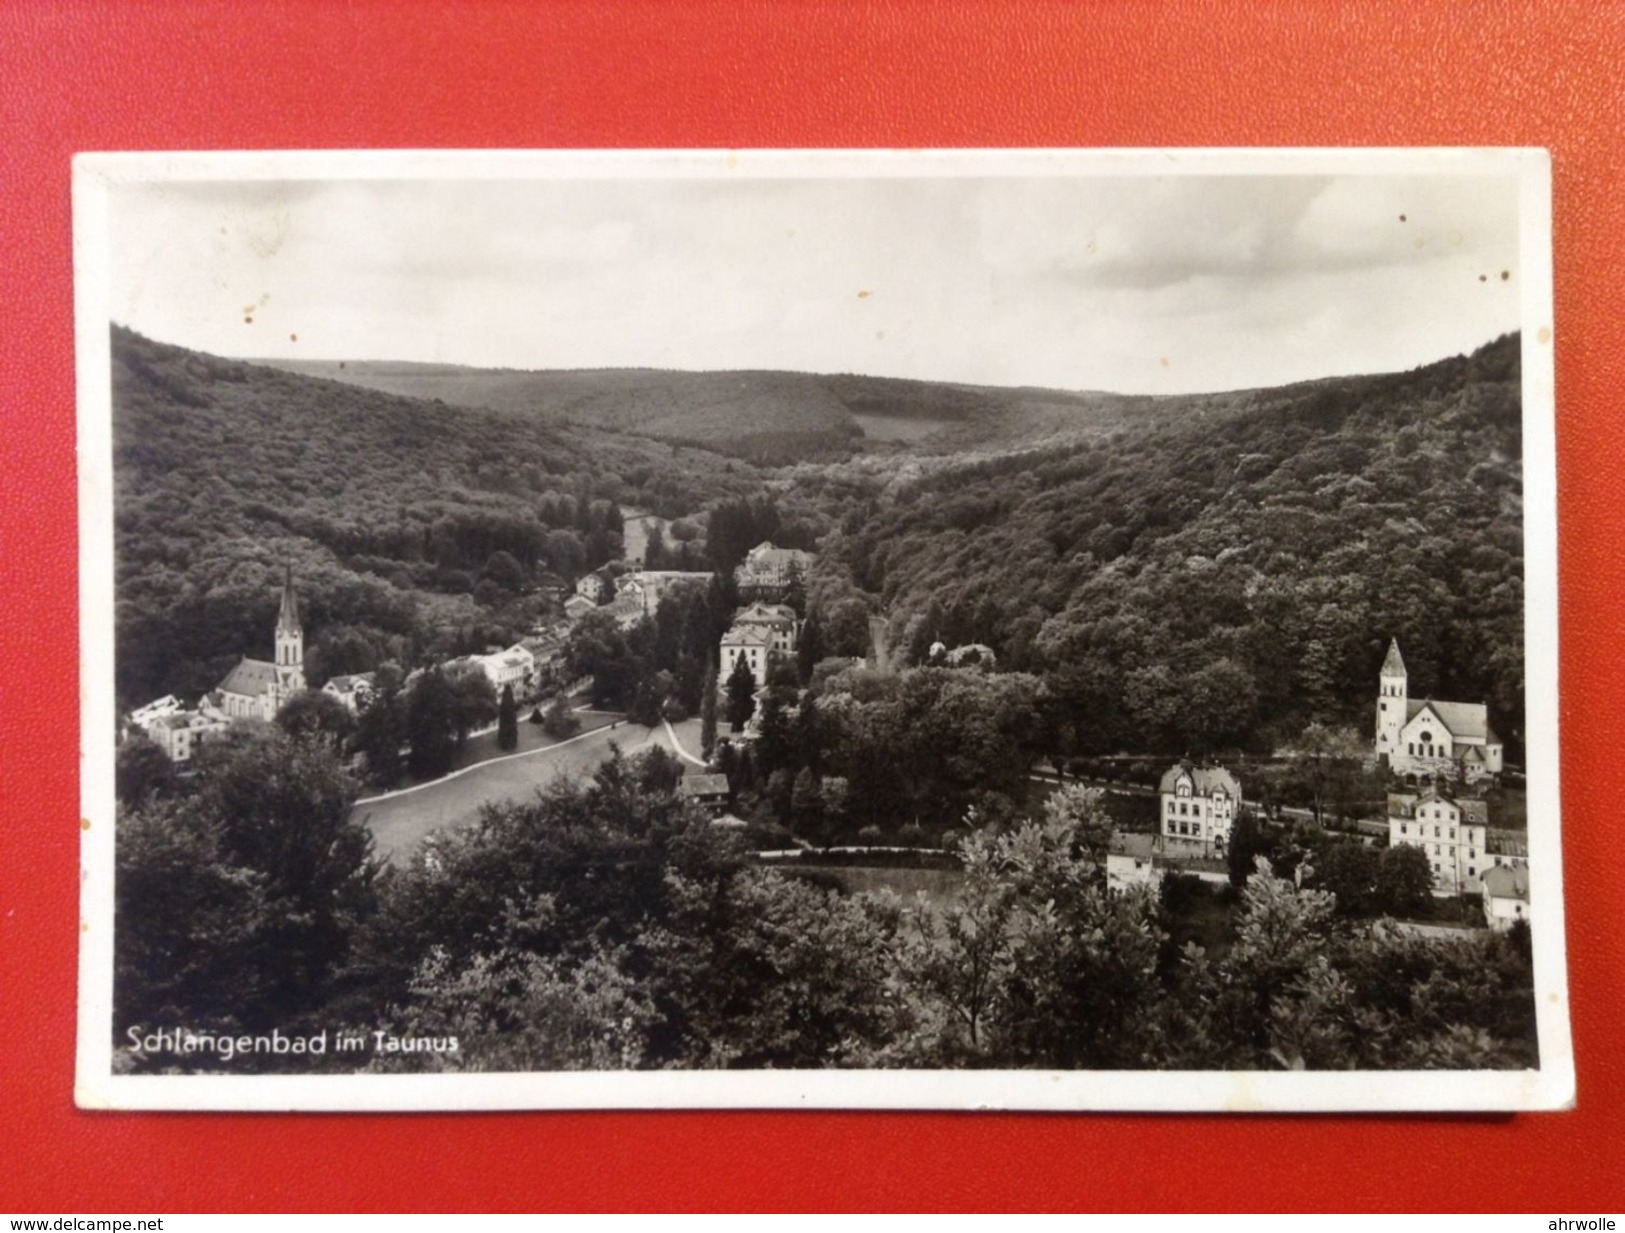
column 913, row 629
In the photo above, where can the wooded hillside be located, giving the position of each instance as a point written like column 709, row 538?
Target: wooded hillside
column 401, row 518
column 772, row 418
column 1226, row 574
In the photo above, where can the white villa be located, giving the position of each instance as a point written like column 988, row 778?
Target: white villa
column 514, row 667
column 1198, row 806
column 647, row 587
column 1453, row 834
column 758, row 633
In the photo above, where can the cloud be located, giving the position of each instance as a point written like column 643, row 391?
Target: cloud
column 1075, row 282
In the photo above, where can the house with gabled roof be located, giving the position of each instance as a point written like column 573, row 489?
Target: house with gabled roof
column 767, row 572
column 1506, row 897
column 1453, row 833
column 708, row 790
column 1131, row 861
column 1430, row 737
column 748, row 644
column 180, row 733
column 1197, row 807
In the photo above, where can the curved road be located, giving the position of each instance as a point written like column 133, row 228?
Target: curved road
column 399, row 821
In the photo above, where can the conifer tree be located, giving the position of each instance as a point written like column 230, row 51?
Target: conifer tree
column 507, row 721
column 741, row 695
column 708, row 713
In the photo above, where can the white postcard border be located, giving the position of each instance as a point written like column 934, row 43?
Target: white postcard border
column 97, row 1087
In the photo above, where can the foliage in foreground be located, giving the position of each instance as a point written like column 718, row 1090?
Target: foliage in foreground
column 608, row 926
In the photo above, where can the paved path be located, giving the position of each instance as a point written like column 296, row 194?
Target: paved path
column 400, row 820
column 681, row 751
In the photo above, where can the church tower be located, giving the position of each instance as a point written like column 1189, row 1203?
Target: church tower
column 1392, row 692
column 290, row 645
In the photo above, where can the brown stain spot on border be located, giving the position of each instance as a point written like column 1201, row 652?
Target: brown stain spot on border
column 1165, row 361
column 293, row 338
column 1483, row 278
column 84, row 824
column 864, row 295
column 1505, row 274
column 1401, row 218
column 1545, row 334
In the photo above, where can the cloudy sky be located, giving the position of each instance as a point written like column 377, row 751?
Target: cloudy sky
column 1129, row 283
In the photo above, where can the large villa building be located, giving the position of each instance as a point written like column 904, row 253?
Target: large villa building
column 1197, row 806
column 758, row 634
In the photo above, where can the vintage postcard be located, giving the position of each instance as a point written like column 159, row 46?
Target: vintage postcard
column 935, row 629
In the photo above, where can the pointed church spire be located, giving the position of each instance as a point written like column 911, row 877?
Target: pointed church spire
column 287, row 618
column 1393, row 665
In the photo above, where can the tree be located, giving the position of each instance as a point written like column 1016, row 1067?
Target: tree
column 381, row 730
column 807, row 804
column 1349, row 870
column 1248, row 841
column 315, row 715
column 503, row 570
column 708, row 713
column 645, row 708
column 473, row 703
column 795, row 589
column 1082, row 811
column 658, row 770
column 430, row 725
column 559, row 721
column 775, row 742
column 513, row 1010
column 759, row 970
column 1328, row 758
column 507, row 721
column 143, row 771
column 1404, row 881
column 237, row 902
column 809, row 733
column 809, row 646
column 741, row 695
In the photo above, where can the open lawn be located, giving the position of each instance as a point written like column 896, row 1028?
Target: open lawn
column 399, row 821
column 939, row 886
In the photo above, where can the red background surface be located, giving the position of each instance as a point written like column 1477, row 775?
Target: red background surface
column 77, row 76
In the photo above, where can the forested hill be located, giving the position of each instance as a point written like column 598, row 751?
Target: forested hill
column 1233, row 573
column 767, row 417
column 390, row 510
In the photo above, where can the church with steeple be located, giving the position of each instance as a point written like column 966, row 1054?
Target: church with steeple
column 1428, row 737
column 257, row 689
